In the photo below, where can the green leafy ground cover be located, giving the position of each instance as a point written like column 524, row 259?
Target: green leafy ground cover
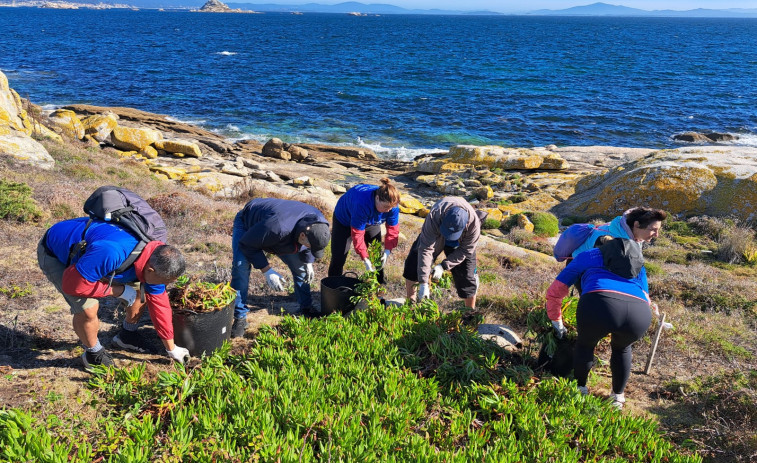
column 385, row 384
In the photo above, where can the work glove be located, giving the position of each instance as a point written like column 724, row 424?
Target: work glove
column 423, row 291
column 179, row 354
column 437, row 273
column 560, row 329
column 309, row 273
column 368, row 265
column 274, row 280
column 385, row 256
column 128, row 296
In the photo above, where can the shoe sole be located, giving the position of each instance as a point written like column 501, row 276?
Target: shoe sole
column 117, row 341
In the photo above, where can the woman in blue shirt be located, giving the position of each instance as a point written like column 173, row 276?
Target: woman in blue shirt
column 614, row 300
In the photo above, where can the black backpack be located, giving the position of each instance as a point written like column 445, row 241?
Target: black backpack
column 127, row 210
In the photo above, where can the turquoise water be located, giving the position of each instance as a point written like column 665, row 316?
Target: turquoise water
column 400, row 84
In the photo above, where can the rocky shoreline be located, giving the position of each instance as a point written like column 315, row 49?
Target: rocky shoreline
column 581, row 181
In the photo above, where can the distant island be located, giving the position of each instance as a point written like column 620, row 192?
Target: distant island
column 361, row 9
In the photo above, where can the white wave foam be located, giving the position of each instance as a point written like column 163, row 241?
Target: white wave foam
column 189, row 121
column 226, row 53
column 400, row 153
column 748, row 139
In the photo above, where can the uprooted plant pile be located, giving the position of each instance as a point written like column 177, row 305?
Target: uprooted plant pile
column 200, row 296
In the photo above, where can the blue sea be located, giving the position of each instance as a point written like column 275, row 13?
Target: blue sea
column 400, row 84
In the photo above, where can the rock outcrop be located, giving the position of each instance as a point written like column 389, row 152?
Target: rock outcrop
column 714, row 181
column 16, row 128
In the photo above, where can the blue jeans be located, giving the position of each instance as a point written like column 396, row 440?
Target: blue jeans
column 241, row 267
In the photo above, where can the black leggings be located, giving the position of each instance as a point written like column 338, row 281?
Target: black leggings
column 601, row 313
column 341, row 241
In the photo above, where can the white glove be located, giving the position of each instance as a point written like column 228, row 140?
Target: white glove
column 560, row 329
column 128, row 296
column 309, row 273
column 423, row 291
column 368, row 265
column 385, row 256
column 274, row 280
column 437, row 273
column 179, row 354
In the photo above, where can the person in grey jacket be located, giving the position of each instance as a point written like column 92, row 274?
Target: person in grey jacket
column 452, row 226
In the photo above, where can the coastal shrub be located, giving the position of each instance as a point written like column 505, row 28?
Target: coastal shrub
column 545, row 224
column 490, row 224
column 518, row 198
column 734, row 243
column 17, row 204
column 711, row 227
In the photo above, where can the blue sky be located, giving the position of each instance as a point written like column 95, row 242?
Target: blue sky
column 521, row 5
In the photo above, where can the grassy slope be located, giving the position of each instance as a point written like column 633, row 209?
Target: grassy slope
column 702, row 390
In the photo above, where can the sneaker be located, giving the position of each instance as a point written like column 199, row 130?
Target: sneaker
column 101, row 357
column 583, row 390
column 131, row 340
column 239, row 327
column 618, row 400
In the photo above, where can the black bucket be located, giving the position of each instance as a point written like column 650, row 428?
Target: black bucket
column 336, row 293
column 202, row 332
column 561, row 362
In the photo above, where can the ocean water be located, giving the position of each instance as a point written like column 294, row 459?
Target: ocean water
column 402, row 85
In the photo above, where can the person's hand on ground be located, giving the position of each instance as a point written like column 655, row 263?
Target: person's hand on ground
column 423, row 291
column 437, row 273
column 179, row 354
column 274, row 280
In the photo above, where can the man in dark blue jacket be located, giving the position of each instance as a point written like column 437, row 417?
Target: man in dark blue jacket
column 294, row 231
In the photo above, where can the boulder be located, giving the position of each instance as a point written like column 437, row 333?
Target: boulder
column 493, row 213
column 525, row 223
column 100, row 126
column 178, row 146
column 24, row 148
column 484, row 192
column 134, row 138
column 709, row 137
column 297, row 153
column 410, row 205
column 274, row 148
column 502, row 335
column 66, row 123
column 12, row 114
column 149, row 152
column 688, row 181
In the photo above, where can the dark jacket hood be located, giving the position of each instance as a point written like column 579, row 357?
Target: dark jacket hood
column 622, row 257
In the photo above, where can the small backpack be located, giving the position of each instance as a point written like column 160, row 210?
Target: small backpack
column 571, row 239
column 127, row 210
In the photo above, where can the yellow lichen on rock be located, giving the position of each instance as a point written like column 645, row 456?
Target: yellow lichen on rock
column 133, row 138
column 67, row 123
column 410, row 205
column 494, row 213
column 100, row 126
column 178, row 147
column 525, row 223
column 173, row 173
column 149, row 152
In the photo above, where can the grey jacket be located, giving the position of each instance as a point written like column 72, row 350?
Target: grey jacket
column 431, row 241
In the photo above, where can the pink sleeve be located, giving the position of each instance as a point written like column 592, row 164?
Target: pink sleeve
column 392, row 237
column 160, row 313
column 555, row 294
column 358, row 242
column 74, row 284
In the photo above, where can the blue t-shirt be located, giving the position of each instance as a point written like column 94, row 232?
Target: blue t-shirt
column 108, row 246
column 589, row 266
column 357, row 209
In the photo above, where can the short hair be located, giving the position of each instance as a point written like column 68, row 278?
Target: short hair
column 645, row 216
column 168, row 262
column 387, row 193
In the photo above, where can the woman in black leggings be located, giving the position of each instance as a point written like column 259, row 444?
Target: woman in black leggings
column 614, row 301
